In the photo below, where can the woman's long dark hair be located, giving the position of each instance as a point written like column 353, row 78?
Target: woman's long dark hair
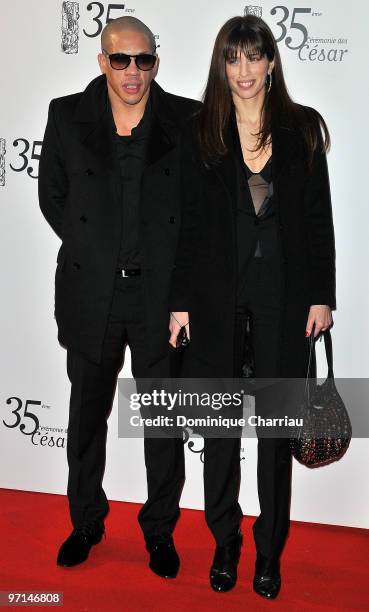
column 252, row 36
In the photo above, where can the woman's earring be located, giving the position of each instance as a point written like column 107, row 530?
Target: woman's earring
column 269, row 81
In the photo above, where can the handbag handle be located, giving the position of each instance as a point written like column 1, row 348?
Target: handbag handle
column 328, row 353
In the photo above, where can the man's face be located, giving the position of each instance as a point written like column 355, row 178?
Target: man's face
column 130, row 85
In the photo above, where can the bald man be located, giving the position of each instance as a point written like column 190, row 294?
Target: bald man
column 109, row 186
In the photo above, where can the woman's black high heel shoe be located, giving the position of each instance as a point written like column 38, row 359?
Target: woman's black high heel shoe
column 267, row 579
column 223, row 572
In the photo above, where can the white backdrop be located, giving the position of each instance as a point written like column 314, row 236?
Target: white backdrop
column 329, row 72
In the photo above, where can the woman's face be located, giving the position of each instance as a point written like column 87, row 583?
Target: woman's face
column 246, row 75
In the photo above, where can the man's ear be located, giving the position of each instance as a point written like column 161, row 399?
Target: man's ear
column 156, row 68
column 102, row 62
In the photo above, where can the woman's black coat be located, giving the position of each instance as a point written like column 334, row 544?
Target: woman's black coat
column 205, row 276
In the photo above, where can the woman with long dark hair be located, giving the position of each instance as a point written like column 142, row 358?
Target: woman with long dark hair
column 257, row 248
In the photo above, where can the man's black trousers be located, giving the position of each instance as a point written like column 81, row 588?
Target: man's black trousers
column 92, row 393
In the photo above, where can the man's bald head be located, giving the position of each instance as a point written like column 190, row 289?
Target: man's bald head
column 126, row 24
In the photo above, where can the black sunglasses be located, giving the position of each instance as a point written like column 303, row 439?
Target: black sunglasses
column 121, row 61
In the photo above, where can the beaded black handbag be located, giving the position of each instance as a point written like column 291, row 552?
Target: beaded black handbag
column 326, row 431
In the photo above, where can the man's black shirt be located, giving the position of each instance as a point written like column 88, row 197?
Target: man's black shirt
column 131, row 152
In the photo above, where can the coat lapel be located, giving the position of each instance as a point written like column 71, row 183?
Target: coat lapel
column 226, row 170
column 227, row 173
column 284, row 150
column 94, row 119
column 163, row 129
column 98, row 138
column 160, row 142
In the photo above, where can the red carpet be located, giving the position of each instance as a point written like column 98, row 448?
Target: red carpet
column 323, row 568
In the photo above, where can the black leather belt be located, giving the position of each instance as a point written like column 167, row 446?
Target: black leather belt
column 126, row 272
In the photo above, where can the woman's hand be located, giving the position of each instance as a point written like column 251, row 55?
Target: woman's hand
column 321, row 315
column 176, row 321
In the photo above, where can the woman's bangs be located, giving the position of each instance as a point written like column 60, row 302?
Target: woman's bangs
column 248, row 43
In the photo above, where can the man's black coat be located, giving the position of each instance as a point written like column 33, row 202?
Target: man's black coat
column 205, row 277
column 80, row 196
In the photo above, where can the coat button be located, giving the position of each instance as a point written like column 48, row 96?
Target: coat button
column 83, row 219
column 89, row 171
column 281, row 227
column 256, row 222
column 167, row 172
column 172, row 219
column 76, row 265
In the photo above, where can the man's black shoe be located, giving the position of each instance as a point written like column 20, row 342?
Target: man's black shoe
column 267, row 579
column 76, row 548
column 164, row 560
column 223, row 572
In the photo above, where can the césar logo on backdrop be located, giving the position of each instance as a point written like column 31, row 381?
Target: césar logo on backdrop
column 308, row 48
column 100, row 15
column 2, row 161
column 196, row 445
column 27, row 152
column 24, row 417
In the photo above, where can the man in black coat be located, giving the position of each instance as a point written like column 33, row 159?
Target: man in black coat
column 109, row 186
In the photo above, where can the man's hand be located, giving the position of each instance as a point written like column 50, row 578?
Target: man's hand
column 176, row 321
column 321, row 315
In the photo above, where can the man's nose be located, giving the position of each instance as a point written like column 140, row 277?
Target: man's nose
column 132, row 68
